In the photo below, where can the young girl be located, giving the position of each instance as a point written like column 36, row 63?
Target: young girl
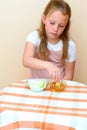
column 49, row 52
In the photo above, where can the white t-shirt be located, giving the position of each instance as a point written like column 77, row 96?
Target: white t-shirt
column 34, row 38
column 55, row 54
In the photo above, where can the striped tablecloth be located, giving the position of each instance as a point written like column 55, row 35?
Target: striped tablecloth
column 22, row 109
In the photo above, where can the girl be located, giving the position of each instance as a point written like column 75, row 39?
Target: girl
column 49, row 52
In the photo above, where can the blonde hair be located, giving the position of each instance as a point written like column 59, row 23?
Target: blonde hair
column 65, row 9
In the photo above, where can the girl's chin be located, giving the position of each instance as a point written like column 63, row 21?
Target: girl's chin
column 53, row 35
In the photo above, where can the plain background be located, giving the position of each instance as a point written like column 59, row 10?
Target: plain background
column 18, row 18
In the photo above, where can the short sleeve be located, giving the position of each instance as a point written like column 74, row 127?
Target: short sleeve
column 71, row 51
column 33, row 37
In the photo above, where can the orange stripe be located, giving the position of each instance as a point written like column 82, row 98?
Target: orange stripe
column 19, row 86
column 70, row 91
column 45, row 112
column 42, row 106
column 21, row 104
column 70, row 86
column 25, row 85
column 77, row 87
column 21, row 82
column 33, row 124
column 2, row 110
column 43, row 125
column 76, row 91
column 44, row 97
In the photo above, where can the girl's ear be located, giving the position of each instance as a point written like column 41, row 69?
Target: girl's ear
column 43, row 19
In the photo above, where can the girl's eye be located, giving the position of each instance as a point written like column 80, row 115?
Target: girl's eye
column 52, row 23
column 61, row 26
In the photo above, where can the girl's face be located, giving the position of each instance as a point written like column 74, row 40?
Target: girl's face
column 55, row 24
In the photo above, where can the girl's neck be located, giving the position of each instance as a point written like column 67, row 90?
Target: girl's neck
column 53, row 42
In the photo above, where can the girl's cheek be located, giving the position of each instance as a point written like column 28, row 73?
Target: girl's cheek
column 61, row 30
column 48, row 27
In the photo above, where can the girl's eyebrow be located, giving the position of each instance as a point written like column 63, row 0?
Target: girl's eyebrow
column 51, row 20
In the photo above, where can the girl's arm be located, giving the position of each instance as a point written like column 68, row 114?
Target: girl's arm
column 30, row 62
column 69, row 70
column 28, row 58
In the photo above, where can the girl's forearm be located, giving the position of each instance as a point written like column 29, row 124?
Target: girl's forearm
column 34, row 63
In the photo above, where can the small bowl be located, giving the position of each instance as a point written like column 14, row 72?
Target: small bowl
column 36, row 85
column 57, row 87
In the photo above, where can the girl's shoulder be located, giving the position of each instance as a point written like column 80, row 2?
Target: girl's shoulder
column 72, row 46
column 72, row 42
column 71, row 51
column 33, row 34
column 33, row 37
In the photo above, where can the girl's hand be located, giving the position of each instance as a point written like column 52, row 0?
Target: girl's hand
column 54, row 72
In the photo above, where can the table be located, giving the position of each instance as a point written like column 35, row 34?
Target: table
column 23, row 109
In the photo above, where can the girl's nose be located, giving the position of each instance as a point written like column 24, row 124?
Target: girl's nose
column 55, row 28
